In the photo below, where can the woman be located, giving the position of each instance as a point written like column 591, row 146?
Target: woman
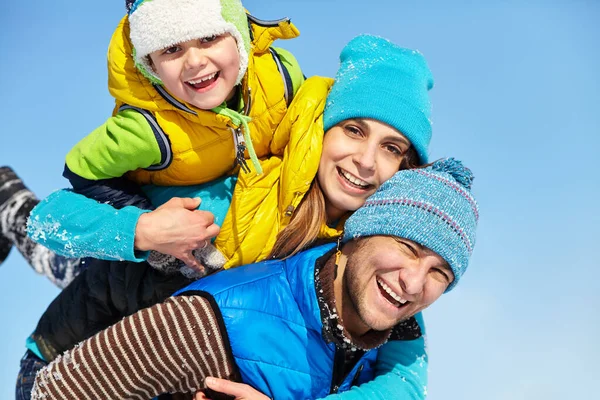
column 376, row 122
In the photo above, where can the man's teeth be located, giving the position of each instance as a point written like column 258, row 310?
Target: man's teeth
column 354, row 180
column 206, row 78
column 389, row 291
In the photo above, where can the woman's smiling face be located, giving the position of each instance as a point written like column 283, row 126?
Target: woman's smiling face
column 358, row 156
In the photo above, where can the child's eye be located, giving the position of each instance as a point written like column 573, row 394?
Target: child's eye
column 171, row 50
column 209, row 39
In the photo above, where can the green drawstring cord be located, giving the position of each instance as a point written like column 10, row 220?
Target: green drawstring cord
column 241, row 119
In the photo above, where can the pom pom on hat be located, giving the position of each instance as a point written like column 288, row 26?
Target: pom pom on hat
column 431, row 206
column 158, row 24
column 456, row 169
column 380, row 80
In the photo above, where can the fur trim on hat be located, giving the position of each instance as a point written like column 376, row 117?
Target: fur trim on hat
column 159, row 24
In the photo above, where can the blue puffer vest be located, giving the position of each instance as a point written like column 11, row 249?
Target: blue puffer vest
column 273, row 321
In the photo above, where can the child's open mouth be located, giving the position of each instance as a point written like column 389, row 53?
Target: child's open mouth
column 204, row 82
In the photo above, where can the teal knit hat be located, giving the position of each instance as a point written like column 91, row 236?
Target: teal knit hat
column 380, row 80
column 158, row 24
column 431, row 206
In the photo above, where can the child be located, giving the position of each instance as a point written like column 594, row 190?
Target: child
column 196, row 89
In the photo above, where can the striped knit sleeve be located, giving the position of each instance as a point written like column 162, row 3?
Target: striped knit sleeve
column 168, row 348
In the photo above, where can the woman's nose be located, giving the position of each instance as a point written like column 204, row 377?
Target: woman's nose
column 365, row 156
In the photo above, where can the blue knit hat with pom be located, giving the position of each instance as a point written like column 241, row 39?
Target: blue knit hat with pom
column 431, row 206
column 380, row 80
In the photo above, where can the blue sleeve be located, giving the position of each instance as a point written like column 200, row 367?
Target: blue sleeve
column 216, row 195
column 75, row 226
column 401, row 372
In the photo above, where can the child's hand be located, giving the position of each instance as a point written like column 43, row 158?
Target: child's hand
column 176, row 228
column 240, row 391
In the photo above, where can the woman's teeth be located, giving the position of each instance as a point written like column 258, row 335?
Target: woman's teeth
column 354, row 180
column 399, row 300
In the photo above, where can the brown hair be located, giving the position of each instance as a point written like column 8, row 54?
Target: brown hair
column 305, row 225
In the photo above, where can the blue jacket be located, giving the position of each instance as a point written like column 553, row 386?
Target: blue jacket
column 273, row 322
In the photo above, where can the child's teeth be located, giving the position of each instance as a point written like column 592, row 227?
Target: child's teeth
column 202, row 79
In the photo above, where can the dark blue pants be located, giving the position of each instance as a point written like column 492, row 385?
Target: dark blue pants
column 30, row 365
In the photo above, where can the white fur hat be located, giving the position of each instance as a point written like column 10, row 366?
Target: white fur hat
column 159, row 24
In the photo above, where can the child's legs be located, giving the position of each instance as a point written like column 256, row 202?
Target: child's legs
column 16, row 203
column 30, row 365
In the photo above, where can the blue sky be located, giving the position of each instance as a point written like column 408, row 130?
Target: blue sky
column 516, row 97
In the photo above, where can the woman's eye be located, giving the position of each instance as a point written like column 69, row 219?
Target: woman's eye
column 394, row 149
column 209, row 39
column 352, row 130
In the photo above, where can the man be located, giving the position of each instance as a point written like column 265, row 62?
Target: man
column 303, row 327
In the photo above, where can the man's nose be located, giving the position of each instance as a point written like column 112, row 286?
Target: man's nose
column 412, row 280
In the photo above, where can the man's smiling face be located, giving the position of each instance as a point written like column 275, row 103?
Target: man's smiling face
column 384, row 280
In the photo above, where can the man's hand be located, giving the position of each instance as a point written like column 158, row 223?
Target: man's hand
column 176, row 228
column 240, row 391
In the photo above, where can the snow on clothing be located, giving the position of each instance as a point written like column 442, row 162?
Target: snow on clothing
column 306, row 366
column 262, row 204
column 74, row 226
column 16, row 203
column 157, row 139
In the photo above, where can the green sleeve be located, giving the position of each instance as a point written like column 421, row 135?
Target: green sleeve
column 124, row 143
column 290, row 62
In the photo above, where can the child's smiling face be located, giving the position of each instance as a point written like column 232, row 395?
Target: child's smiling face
column 201, row 72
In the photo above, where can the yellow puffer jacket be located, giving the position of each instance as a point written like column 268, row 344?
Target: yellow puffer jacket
column 201, row 142
column 262, row 205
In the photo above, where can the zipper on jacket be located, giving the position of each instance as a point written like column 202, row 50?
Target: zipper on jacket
column 289, row 210
column 339, row 364
column 357, row 375
column 240, row 148
column 238, row 138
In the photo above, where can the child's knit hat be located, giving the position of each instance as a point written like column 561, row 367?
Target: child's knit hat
column 380, row 80
column 431, row 206
column 158, row 24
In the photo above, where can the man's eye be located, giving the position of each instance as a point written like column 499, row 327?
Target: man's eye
column 408, row 249
column 443, row 274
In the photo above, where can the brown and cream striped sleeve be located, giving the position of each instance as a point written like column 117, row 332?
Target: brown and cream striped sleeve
column 168, row 348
